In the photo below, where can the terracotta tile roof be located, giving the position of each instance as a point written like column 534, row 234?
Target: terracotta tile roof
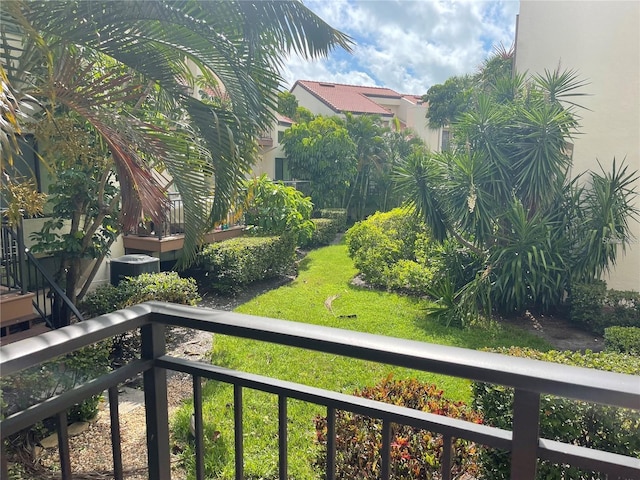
column 283, row 120
column 353, row 98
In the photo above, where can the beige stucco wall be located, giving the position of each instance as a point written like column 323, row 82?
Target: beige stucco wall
column 601, row 40
column 310, row 102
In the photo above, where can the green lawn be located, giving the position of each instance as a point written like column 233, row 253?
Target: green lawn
column 324, row 274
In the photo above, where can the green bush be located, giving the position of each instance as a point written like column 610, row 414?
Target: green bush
column 596, row 308
column 235, row 263
column 393, row 250
column 325, row 232
column 569, row 421
column 163, row 287
column 337, row 214
column 415, row 453
column 275, row 209
column 622, row 340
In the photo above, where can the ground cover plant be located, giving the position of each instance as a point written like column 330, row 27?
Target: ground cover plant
column 580, row 423
column 322, row 294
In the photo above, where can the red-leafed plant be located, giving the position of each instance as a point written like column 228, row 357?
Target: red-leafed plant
column 415, row 453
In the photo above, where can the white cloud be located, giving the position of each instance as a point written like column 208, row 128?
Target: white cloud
column 408, row 45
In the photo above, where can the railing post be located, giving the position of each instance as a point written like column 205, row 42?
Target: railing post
column 526, row 422
column 155, row 398
column 22, row 263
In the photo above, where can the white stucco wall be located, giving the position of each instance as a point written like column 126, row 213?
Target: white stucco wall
column 601, row 40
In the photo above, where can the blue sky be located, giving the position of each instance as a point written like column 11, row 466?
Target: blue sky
column 407, row 45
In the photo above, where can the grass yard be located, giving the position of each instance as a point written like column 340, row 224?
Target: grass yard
column 324, row 278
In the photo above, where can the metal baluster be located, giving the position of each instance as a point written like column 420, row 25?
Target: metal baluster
column 526, row 420
column 116, row 446
column 386, row 450
column 198, row 426
column 237, row 415
column 282, row 437
column 445, row 462
column 331, row 443
column 63, row 446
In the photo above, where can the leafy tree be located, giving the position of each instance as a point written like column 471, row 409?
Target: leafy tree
column 303, row 115
column 397, row 146
column 448, row 100
column 505, row 193
column 366, row 131
column 272, row 208
column 455, row 96
column 287, row 104
column 85, row 202
column 322, row 152
column 155, row 52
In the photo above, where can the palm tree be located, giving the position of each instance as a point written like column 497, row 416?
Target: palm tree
column 128, row 69
column 104, row 59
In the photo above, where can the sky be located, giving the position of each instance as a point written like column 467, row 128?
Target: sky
column 407, row 45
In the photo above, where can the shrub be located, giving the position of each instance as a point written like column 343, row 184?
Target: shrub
column 235, row 263
column 415, row 453
column 275, row 209
column 393, row 250
column 325, row 232
column 586, row 302
column 163, row 287
column 595, row 307
column 337, row 214
column 580, row 423
column 622, row 340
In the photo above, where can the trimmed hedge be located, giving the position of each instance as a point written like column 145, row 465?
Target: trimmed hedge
column 622, row 340
column 233, row 264
column 163, row 287
column 337, row 214
column 325, row 232
column 580, row 423
column 415, row 453
column 597, row 308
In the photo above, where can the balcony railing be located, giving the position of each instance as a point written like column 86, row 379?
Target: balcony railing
column 529, row 378
column 174, row 223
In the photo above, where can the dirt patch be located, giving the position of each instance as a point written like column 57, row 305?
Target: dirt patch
column 558, row 331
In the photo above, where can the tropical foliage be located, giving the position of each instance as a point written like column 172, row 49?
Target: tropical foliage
column 272, row 208
column 505, row 193
column 322, row 151
column 349, row 162
column 129, row 70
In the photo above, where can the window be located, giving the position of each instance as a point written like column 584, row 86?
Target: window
column 282, row 170
column 445, row 144
column 27, row 165
column 280, row 136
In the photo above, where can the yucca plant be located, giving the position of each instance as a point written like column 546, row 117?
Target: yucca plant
column 505, row 192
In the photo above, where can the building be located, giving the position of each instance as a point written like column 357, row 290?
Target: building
column 601, row 41
column 329, row 99
column 271, row 154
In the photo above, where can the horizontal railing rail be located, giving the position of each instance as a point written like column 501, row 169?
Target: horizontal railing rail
column 529, row 378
